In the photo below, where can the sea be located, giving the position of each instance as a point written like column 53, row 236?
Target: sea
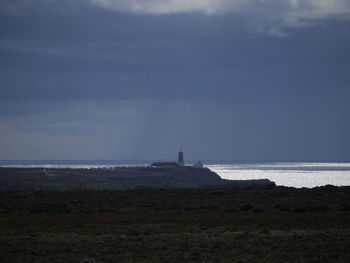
column 296, row 174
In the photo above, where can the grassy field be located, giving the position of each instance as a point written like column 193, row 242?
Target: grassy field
column 260, row 224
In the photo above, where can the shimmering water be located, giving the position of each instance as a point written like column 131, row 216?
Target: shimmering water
column 72, row 164
column 286, row 174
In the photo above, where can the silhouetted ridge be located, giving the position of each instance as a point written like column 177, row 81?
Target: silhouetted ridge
column 116, row 178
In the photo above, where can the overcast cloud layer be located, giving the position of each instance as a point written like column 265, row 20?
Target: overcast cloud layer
column 308, row 9
column 224, row 80
column 269, row 16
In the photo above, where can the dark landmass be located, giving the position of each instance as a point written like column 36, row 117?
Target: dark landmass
column 253, row 224
column 116, row 178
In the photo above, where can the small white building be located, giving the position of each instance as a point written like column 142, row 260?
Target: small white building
column 198, row 164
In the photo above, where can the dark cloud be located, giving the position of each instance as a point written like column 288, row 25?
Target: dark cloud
column 116, row 84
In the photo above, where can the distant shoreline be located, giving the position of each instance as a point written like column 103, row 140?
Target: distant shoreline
column 118, row 178
column 288, row 174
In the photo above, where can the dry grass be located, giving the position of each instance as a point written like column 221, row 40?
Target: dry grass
column 265, row 224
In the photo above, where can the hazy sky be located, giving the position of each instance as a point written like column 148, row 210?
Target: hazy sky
column 240, row 80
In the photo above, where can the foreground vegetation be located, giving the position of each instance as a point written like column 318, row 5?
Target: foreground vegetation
column 258, row 224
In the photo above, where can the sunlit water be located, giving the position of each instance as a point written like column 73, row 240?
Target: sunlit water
column 289, row 174
column 286, row 174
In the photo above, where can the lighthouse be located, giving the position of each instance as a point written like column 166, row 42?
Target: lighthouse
column 180, row 160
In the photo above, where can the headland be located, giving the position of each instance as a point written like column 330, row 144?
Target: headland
column 118, row 178
column 158, row 175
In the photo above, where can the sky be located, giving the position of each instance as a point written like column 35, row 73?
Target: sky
column 224, row 80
